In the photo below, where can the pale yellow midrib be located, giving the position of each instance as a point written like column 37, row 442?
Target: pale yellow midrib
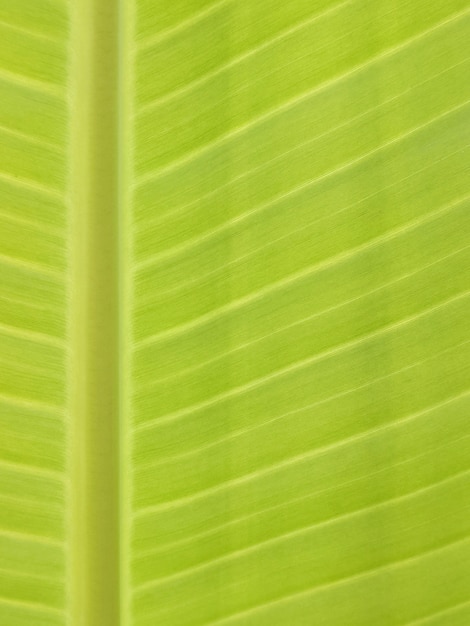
column 126, row 59
column 93, row 523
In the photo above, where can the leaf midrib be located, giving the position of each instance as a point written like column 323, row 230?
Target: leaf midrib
column 94, row 314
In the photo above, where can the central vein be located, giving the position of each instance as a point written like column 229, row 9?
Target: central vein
column 94, row 571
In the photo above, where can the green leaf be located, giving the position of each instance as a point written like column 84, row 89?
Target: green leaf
column 33, row 317
column 234, row 338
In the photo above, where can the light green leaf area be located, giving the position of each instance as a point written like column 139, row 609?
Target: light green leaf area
column 33, row 286
column 294, row 350
column 300, row 409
